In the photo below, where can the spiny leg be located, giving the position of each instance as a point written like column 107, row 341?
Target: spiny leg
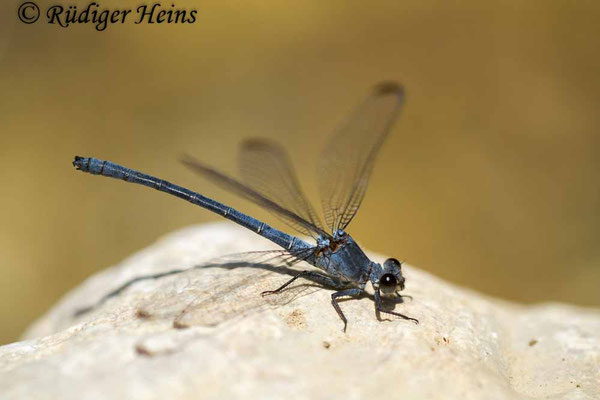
column 402, row 296
column 342, row 293
column 312, row 275
column 379, row 308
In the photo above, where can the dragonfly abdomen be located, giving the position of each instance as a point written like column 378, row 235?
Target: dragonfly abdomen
column 106, row 168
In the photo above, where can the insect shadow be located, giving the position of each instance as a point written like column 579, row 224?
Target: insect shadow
column 284, row 296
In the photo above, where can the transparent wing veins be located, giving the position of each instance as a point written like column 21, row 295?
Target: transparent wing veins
column 347, row 161
column 233, row 185
column 266, row 168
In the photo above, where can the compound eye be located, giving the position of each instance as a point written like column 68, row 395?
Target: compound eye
column 388, row 283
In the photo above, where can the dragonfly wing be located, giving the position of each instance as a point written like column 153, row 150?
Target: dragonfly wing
column 266, row 257
column 347, row 161
column 233, row 185
column 266, row 167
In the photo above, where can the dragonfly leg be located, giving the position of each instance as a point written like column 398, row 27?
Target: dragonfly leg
column 312, row 275
column 404, row 296
column 379, row 308
column 342, row 293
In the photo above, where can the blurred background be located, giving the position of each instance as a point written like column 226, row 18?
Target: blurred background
column 489, row 180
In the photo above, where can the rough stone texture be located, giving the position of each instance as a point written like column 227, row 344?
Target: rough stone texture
column 239, row 345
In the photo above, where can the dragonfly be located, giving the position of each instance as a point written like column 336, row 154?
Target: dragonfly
column 267, row 178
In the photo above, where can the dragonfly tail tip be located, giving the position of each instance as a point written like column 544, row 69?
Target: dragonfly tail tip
column 78, row 162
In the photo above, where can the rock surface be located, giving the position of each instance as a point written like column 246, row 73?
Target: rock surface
column 240, row 345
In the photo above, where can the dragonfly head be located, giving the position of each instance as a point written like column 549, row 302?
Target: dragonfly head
column 388, row 279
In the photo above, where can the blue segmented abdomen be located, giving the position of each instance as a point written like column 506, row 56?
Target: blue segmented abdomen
column 106, row 168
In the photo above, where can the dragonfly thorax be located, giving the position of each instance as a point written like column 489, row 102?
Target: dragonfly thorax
column 343, row 258
column 323, row 242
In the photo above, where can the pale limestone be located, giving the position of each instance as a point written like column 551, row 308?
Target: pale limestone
column 240, row 345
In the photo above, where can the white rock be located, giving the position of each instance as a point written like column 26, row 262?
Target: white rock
column 291, row 346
